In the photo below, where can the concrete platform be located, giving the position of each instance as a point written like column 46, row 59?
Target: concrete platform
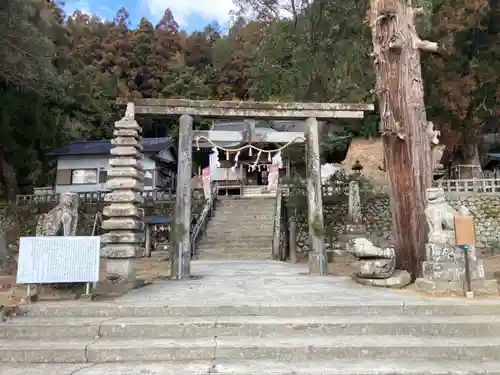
column 266, row 288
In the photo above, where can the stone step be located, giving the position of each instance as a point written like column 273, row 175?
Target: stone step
column 235, row 256
column 237, row 236
column 242, row 223
column 248, row 210
column 246, row 224
column 234, row 250
column 240, row 216
column 248, row 244
column 265, row 212
column 261, row 326
column 234, row 253
column 340, row 307
column 214, row 234
column 248, row 204
column 265, row 200
column 282, row 348
column 255, row 367
column 266, row 229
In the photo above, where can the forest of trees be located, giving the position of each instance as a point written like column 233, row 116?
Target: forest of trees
column 60, row 74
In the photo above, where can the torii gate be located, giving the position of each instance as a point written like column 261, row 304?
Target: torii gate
column 308, row 112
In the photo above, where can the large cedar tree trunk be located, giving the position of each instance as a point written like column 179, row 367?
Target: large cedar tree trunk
column 406, row 134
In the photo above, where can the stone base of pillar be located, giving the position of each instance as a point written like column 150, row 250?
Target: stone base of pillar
column 88, row 297
column 452, row 271
column 314, row 264
column 441, row 288
column 174, row 265
column 120, row 277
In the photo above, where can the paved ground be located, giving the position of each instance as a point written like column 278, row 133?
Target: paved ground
column 262, row 282
column 253, row 282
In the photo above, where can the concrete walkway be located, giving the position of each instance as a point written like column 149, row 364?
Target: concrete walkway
column 265, row 283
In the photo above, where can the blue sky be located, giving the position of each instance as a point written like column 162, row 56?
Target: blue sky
column 190, row 14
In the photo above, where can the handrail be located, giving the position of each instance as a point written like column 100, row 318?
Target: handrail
column 202, row 222
column 277, row 224
column 474, row 185
column 94, row 227
column 163, row 195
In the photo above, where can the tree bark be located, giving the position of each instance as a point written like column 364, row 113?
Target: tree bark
column 407, row 136
column 7, row 177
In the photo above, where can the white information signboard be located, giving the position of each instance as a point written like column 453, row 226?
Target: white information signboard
column 47, row 260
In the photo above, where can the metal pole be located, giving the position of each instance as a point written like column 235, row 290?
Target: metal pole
column 148, row 241
column 467, row 268
column 292, row 234
column 87, row 288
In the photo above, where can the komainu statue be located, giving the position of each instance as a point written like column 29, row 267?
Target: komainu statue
column 62, row 220
column 439, row 216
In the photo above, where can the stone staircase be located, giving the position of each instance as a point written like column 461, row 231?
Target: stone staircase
column 241, row 229
column 245, row 318
column 332, row 340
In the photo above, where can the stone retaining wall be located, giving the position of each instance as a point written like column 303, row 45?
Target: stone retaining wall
column 21, row 221
column 377, row 216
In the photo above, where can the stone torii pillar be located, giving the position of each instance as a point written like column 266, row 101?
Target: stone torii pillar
column 317, row 258
column 124, row 215
column 181, row 257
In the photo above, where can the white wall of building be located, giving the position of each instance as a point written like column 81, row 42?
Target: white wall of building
column 99, row 162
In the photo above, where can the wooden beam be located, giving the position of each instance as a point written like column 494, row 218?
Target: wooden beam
column 237, row 136
column 248, row 109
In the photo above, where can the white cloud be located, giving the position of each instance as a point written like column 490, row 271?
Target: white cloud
column 81, row 5
column 210, row 9
column 102, row 11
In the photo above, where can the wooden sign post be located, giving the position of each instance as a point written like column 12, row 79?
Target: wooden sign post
column 465, row 233
column 465, row 238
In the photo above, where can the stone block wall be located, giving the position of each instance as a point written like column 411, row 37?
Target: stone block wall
column 377, row 217
column 486, row 211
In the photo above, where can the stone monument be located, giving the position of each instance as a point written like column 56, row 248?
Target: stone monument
column 354, row 227
column 376, row 266
column 444, row 270
column 62, row 220
column 124, row 215
column 354, row 209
